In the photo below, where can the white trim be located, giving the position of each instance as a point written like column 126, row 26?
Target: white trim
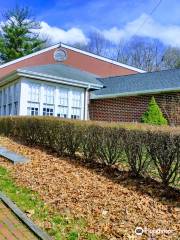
column 52, row 78
column 76, row 50
column 49, row 78
column 29, row 56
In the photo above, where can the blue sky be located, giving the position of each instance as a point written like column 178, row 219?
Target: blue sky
column 71, row 20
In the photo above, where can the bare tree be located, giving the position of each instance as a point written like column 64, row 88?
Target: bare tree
column 171, row 58
column 97, row 44
column 144, row 53
column 171, row 108
column 140, row 53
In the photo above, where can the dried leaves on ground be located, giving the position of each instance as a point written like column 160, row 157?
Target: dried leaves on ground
column 112, row 206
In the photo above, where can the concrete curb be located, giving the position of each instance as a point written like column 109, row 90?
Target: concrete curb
column 12, row 156
column 23, row 218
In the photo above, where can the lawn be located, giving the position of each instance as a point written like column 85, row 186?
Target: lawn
column 72, row 200
column 60, row 227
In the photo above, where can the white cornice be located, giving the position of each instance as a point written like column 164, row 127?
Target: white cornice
column 49, row 78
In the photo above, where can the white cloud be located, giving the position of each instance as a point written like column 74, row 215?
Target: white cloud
column 55, row 34
column 168, row 34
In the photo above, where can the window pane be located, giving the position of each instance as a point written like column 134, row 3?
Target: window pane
column 15, row 108
column 4, row 110
column 76, row 99
column 4, row 96
column 75, row 113
column 49, row 95
column 10, row 109
column 62, row 112
column 33, row 109
column 16, row 92
column 34, row 92
column 63, row 97
column 48, row 111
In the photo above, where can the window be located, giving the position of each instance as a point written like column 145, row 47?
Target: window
column 4, row 110
column 62, row 112
column 5, row 96
column 76, row 105
column 48, row 111
column 33, row 99
column 0, row 98
column 63, row 97
column 10, row 94
column 15, row 108
column 76, row 113
column 63, row 103
column 49, row 95
column 10, row 109
column 33, row 109
column 48, row 108
column 34, row 92
column 16, row 92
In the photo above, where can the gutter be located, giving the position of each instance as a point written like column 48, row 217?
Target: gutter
column 136, row 93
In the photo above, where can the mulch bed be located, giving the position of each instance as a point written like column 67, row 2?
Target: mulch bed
column 112, row 203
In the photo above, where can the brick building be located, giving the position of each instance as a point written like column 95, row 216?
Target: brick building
column 63, row 81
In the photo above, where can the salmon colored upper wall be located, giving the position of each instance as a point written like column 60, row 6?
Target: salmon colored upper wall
column 74, row 59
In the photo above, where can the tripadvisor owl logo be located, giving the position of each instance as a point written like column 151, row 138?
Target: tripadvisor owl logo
column 139, row 231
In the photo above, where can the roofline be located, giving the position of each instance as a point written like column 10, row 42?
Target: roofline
column 136, row 93
column 49, row 78
column 76, row 50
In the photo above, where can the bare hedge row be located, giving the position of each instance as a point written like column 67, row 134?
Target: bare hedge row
column 140, row 145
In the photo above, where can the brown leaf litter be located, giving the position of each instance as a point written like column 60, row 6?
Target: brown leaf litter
column 111, row 208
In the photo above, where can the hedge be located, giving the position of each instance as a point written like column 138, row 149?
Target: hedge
column 140, row 145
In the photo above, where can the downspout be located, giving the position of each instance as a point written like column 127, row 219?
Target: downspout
column 86, row 101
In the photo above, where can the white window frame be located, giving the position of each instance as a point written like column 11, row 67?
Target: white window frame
column 63, row 102
column 34, row 92
column 49, row 93
column 48, row 110
column 76, row 105
column 33, row 109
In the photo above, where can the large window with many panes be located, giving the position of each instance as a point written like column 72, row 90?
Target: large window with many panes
column 76, row 105
column 33, row 99
column 62, row 110
column 16, row 100
column 48, row 102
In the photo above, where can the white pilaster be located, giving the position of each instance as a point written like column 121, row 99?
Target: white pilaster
column 56, row 93
column 23, row 98
column 41, row 100
column 86, row 104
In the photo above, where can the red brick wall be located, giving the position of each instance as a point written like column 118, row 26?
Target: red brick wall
column 130, row 109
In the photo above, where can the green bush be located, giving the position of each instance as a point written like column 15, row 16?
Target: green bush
column 153, row 115
column 107, row 143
